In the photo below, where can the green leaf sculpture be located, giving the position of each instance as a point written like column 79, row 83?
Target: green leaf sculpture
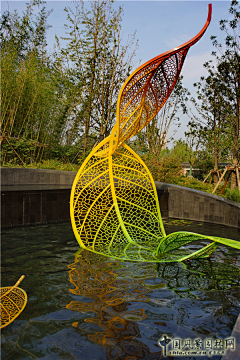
column 114, row 204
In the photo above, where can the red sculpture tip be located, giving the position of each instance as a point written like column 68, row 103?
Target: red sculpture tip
column 209, row 12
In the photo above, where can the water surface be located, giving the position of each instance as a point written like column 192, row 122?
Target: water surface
column 91, row 307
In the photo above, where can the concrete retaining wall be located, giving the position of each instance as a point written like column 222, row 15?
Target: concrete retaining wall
column 21, row 176
column 190, row 204
column 35, row 196
column 21, row 207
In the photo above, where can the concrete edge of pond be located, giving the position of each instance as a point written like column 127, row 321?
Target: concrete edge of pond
column 161, row 185
column 234, row 355
column 25, row 177
column 190, row 204
column 42, row 196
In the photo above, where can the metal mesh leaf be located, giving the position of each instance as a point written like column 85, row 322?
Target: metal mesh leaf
column 170, row 246
column 147, row 89
column 13, row 301
column 114, row 204
column 180, row 238
column 181, row 254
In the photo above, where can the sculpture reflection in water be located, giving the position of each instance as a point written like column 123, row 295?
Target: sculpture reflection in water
column 186, row 279
column 114, row 204
column 118, row 329
column 110, row 290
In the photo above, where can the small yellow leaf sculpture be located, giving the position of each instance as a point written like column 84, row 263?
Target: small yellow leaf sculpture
column 114, row 204
column 12, row 302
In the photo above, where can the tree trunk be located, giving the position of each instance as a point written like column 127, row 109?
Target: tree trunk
column 235, row 146
column 234, row 175
column 190, row 172
column 216, row 158
column 233, row 181
column 86, row 134
column 216, row 151
column 101, row 137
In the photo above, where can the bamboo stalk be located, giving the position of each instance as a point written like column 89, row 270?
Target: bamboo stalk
column 5, row 93
column 30, row 109
column 2, row 138
column 13, row 109
column 226, row 168
column 17, row 101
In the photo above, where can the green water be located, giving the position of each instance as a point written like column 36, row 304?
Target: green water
column 94, row 308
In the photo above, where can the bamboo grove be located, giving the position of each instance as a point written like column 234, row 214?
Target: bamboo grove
column 60, row 103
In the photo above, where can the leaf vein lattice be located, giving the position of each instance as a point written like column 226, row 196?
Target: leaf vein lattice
column 114, row 204
column 12, row 302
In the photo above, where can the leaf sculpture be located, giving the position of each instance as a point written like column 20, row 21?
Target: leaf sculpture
column 114, row 204
column 13, row 301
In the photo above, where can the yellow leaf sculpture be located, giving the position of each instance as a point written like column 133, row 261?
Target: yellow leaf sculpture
column 13, row 301
column 114, row 204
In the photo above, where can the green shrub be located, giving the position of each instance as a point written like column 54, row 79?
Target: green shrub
column 16, row 151
column 233, row 194
column 82, row 156
column 197, row 185
column 46, row 164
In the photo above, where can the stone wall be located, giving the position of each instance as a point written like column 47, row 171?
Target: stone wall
column 21, row 176
column 34, row 206
column 190, row 204
column 34, row 196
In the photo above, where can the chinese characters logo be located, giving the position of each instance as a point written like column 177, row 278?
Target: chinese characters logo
column 198, row 346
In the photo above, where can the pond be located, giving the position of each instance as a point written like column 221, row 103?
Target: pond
column 91, row 307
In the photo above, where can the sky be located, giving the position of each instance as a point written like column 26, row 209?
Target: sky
column 160, row 26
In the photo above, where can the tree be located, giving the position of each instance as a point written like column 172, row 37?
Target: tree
column 193, row 141
column 212, row 127
column 27, row 33
column 228, row 72
column 180, row 150
column 98, row 65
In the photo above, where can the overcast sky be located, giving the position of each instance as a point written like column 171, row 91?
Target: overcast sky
column 160, row 26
